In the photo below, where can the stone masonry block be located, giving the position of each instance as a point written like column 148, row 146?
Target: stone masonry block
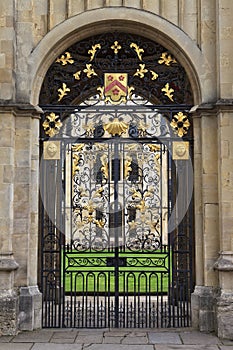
column 8, row 315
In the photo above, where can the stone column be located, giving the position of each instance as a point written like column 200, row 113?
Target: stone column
column 25, row 234
column 224, row 264
column 20, row 299
column 206, row 217
column 8, row 265
column 225, row 164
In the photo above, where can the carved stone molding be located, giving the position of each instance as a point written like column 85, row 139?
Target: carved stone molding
column 18, row 109
column 224, row 262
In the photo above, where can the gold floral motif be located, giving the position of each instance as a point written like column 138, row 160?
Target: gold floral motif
column 116, row 127
column 130, row 91
column 154, row 75
column 148, row 193
column 127, row 166
column 77, row 75
column 104, row 167
column 142, row 127
column 153, row 147
column 63, row 91
column 168, row 91
column 100, row 89
column 52, row 124
column 180, row 124
column 141, row 72
column 142, row 206
column 99, row 193
column 138, row 50
column 132, row 225
column 90, row 128
column 116, row 47
column 78, row 147
column 166, row 59
column 65, row 59
column 99, row 223
column 76, row 159
column 89, row 71
column 136, row 194
column 93, row 50
column 89, row 207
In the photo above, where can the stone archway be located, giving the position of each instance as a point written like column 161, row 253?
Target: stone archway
column 95, row 21
column 52, row 279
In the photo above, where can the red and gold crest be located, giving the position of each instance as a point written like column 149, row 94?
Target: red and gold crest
column 115, row 87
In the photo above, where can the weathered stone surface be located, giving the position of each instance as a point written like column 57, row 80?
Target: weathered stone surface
column 225, row 315
column 8, row 314
column 30, row 303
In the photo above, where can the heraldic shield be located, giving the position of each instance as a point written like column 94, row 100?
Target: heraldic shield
column 115, row 87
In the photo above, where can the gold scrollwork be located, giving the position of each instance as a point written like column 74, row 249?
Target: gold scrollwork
column 52, row 124
column 77, row 75
column 154, row 147
column 136, row 195
column 99, row 223
column 142, row 128
column 89, row 70
column 63, row 91
column 100, row 89
column 127, row 166
column 104, row 167
column 65, row 59
column 76, row 160
column 99, row 192
column 142, row 71
column 93, row 50
column 154, row 75
column 142, row 206
column 78, row 147
column 168, row 91
column 138, row 50
column 130, row 91
column 167, row 59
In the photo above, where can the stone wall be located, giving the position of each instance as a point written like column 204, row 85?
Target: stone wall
column 32, row 34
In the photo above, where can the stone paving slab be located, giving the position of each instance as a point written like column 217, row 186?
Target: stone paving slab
column 56, row 347
column 196, row 338
column 89, row 339
column 164, row 338
column 6, row 338
column 115, row 347
column 112, row 340
column 135, row 340
column 20, row 346
column 186, row 347
column 42, row 336
column 226, row 347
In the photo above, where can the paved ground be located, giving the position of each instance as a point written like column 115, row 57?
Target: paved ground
column 114, row 339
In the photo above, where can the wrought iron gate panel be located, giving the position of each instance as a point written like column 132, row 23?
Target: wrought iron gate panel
column 110, row 186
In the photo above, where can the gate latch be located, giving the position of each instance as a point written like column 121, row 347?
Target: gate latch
column 112, row 262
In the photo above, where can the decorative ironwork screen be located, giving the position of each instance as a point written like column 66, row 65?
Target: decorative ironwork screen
column 116, row 187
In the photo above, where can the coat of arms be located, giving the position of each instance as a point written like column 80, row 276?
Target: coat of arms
column 115, row 87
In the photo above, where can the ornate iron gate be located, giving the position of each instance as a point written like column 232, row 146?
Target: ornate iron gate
column 116, row 186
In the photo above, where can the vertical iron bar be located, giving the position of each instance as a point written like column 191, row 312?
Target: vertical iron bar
column 116, row 229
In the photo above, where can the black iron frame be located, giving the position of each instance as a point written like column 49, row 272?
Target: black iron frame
column 127, row 308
